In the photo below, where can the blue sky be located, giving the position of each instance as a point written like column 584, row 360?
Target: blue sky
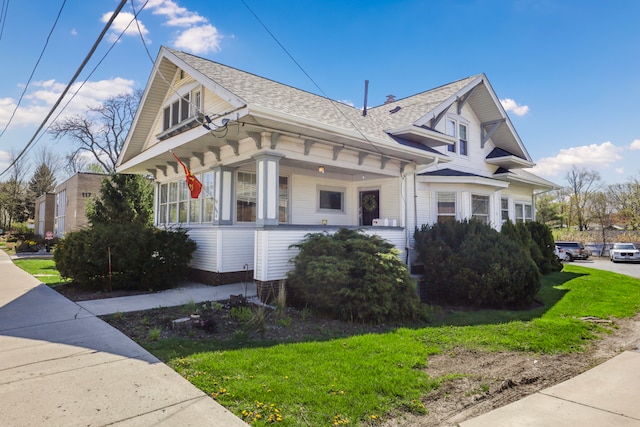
column 566, row 71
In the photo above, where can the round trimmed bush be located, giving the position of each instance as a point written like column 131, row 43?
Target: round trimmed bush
column 352, row 276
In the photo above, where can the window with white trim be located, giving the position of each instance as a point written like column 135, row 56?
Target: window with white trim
column 480, row 208
column 524, row 212
column 331, row 199
column 446, row 207
column 175, row 204
column 462, row 139
column 451, row 131
column 504, row 210
column 246, row 197
column 182, row 108
column 283, row 200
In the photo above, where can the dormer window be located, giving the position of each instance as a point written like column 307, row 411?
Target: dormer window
column 458, row 130
column 181, row 109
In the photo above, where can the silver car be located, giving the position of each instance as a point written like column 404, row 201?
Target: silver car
column 624, row 252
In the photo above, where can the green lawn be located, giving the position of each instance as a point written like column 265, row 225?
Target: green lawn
column 43, row 269
column 359, row 379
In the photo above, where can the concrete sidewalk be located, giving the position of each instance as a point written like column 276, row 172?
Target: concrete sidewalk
column 173, row 297
column 62, row 366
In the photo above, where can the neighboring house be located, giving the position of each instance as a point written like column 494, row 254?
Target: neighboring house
column 277, row 163
column 45, row 211
column 70, row 200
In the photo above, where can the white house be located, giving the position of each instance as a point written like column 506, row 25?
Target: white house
column 277, row 163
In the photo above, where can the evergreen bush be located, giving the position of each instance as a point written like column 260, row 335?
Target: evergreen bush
column 142, row 258
column 469, row 263
column 352, row 276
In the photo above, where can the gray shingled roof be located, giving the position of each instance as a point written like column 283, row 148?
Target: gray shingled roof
column 259, row 91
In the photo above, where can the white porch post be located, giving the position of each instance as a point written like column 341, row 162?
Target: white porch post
column 223, row 197
column 267, row 188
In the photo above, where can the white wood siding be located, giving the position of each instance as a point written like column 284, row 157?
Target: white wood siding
column 206, row 254
column 223, row 249
column 273, row 254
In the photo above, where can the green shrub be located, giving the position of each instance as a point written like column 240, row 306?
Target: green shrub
column 141, row 258
column 469, row 263
column 541, row 235
column 352, row 276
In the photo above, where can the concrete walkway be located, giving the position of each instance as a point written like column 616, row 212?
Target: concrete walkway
column 62, row 366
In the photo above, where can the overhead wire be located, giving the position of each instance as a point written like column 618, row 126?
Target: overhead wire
column 197, row 108
column 93, row 70
column 333, row 103
column 68, row 87
column 3, row 15
column 44, row 48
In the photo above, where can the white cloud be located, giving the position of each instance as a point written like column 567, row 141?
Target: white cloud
column 74, row 32
column 592, row 156
column 199, row 40
column 619, row 171
column 635, row 144
column 123, row 24
column 177, row 16
column 37, row 103
column 511, row 105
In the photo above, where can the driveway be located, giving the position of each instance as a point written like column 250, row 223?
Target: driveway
column 626, row 268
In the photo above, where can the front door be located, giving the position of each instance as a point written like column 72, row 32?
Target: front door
column 369, row 206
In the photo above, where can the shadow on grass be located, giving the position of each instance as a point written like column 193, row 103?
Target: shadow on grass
column 548, row 296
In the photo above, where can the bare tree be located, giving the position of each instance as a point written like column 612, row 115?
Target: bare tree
column 101, row 131
column 582, row 185
column 602, row 212
column 626, row 199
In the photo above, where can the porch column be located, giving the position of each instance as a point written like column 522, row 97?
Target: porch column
column 267, row 188
column 223, row 196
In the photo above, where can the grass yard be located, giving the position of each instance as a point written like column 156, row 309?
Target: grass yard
column 43, row 269
column 360, row 379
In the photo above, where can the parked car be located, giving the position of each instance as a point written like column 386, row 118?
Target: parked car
column 574, row 250
column 561, row 253
column 624, row 252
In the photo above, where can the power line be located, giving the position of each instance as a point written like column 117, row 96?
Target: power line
column 34, row 68
column 66, row 89
column 333, row 103
column 3, row 15
column 72, row 97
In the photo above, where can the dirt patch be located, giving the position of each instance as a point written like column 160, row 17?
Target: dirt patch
column 473, row 382
column 481, row 381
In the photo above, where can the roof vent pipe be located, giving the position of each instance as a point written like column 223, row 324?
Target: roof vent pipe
column 366, row 94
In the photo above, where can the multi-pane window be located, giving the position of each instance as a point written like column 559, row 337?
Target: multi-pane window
column 504, row 210
column 480, row 208
column 183, row 201
column 60, row 213
column 451, row 131
column 463, row 139
column 181, row 109
column 331, row 200
column 446, row 207
column 283, row 200
column 207, row 197
column 524, row 212
column 175, row 204
column 246, row 197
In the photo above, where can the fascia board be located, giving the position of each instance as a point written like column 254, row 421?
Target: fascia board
column 449, row 101
column 478, row 180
